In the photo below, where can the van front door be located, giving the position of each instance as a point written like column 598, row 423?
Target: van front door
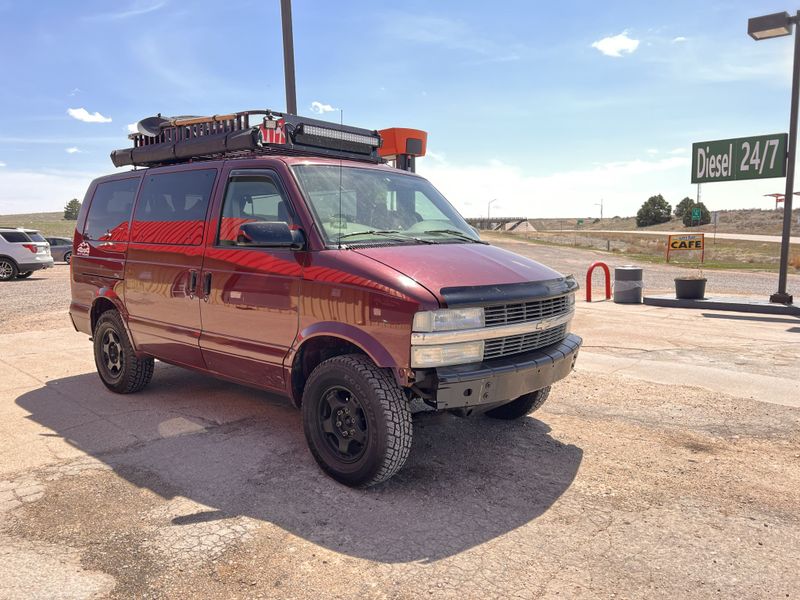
column 165, row 257
column 250, row 297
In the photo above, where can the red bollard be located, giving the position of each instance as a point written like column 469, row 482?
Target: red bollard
column 589, row 280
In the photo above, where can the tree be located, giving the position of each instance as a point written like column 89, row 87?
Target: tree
column 71, row 210
column 656, row 210
column 705, row 216
column 684, row 206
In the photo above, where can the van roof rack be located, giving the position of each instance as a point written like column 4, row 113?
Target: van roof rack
column 172, row 140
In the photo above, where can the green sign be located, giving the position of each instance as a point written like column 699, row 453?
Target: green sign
column 757, row 157
column 580, row 221
column 696, row 213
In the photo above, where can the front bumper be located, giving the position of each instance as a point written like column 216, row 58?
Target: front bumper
column 504, row 379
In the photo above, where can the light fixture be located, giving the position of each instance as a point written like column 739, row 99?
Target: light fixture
column 769, row 26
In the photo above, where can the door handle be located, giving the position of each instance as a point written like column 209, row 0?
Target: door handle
column 206, row 286
column 192, row 284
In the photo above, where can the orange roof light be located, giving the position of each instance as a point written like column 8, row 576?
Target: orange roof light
column 399, row 140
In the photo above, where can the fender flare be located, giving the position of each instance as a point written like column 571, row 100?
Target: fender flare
column 107, row 293
column 370, row 345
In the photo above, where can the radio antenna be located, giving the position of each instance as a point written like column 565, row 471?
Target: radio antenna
column 341, row 147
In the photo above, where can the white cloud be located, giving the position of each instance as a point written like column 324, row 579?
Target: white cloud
column 623, row 184
column 652, row 151
column 132, row 128
column 136, row 10
column 321, row 108
column 40, row 191
column 616, row 45
column 73, row 150
column 84, row 115
column 679, row 39
column 2, row 164
column 677, row 151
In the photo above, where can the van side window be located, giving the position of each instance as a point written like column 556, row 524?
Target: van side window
column 250, row 198
column 110, row 210
column 172, row 208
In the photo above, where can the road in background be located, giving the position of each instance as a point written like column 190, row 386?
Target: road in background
column 709, row 234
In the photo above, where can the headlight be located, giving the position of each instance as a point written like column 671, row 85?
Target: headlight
column 423, row 357
column 449, row 319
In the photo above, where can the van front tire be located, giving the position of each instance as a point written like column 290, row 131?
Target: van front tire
column 119, row 368
column 356, row 420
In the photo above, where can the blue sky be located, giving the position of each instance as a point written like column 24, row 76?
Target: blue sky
column 547, row 107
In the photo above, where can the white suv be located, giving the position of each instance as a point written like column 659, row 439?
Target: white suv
column 22, row 251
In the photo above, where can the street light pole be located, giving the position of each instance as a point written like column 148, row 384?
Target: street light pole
column 766, row 27
column 288, row 57
column 782, row 296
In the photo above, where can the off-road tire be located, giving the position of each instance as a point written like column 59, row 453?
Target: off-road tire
column 24, row 275
column 133, row 373
column 384, row 412
column 67, row 257
column 8, row 269
column 522, row 406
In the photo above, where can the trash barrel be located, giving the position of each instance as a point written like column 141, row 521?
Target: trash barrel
column 628, row 285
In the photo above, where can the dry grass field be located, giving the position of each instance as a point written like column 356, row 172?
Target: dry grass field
column 49, row 223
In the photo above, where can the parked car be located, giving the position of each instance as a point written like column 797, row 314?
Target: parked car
column 22, row 251
column 308, row 267
column 60, row 248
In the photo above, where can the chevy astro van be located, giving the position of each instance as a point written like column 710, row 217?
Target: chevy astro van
column 306, row 258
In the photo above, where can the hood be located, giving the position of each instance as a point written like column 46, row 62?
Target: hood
column 462, row 267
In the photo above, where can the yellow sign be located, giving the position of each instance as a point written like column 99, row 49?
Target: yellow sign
column 687, row 241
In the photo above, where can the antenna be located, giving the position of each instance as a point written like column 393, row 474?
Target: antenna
column 341, row 140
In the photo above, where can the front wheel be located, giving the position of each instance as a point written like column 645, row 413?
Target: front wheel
column 524, row 405
column 118, row 366
column 356, row 420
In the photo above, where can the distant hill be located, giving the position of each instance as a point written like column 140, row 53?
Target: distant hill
column 765, row 222
column 49, row 223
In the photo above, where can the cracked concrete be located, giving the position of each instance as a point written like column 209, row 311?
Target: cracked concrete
column 638, row 478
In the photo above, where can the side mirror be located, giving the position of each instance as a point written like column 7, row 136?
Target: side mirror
column 269, row 234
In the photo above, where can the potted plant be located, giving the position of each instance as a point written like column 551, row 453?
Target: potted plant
column 690, row 287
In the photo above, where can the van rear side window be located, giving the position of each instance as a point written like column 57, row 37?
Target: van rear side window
column 172, row 208
column 110, row 210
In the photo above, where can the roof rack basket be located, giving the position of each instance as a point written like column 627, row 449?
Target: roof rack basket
column 162, row 141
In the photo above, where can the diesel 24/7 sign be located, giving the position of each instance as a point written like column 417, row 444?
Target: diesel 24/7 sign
column 757, row 157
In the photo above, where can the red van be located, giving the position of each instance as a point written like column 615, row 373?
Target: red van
column 304, row 264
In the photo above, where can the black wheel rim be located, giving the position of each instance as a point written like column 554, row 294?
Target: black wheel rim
column 342, row 424
column 112, row 353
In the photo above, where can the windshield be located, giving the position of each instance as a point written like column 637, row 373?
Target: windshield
column 379, row 206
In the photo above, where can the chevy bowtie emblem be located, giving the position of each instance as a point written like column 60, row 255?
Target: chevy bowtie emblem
column 546, row 324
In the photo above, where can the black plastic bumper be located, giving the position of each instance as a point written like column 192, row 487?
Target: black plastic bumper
column 25, row 267
column 504, row 379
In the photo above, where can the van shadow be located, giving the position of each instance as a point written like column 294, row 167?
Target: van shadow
column 241, row 452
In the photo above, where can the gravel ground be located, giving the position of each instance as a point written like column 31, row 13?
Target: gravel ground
column 658, row 278
column 666, row 466
column 38, row 303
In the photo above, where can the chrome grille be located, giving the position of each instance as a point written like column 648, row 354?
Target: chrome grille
column 516, row 344
column 521, row 312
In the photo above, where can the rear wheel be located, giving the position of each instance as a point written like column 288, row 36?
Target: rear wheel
column 67, row 257
column 524, row 405
column 356, row 420
column 24, row 275
column 119, row 368
column 8, row 269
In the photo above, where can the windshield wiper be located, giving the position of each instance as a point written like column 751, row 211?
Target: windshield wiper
column 393, row 233
column 457, row 234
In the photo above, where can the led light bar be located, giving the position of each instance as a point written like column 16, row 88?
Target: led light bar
column 345, row 136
